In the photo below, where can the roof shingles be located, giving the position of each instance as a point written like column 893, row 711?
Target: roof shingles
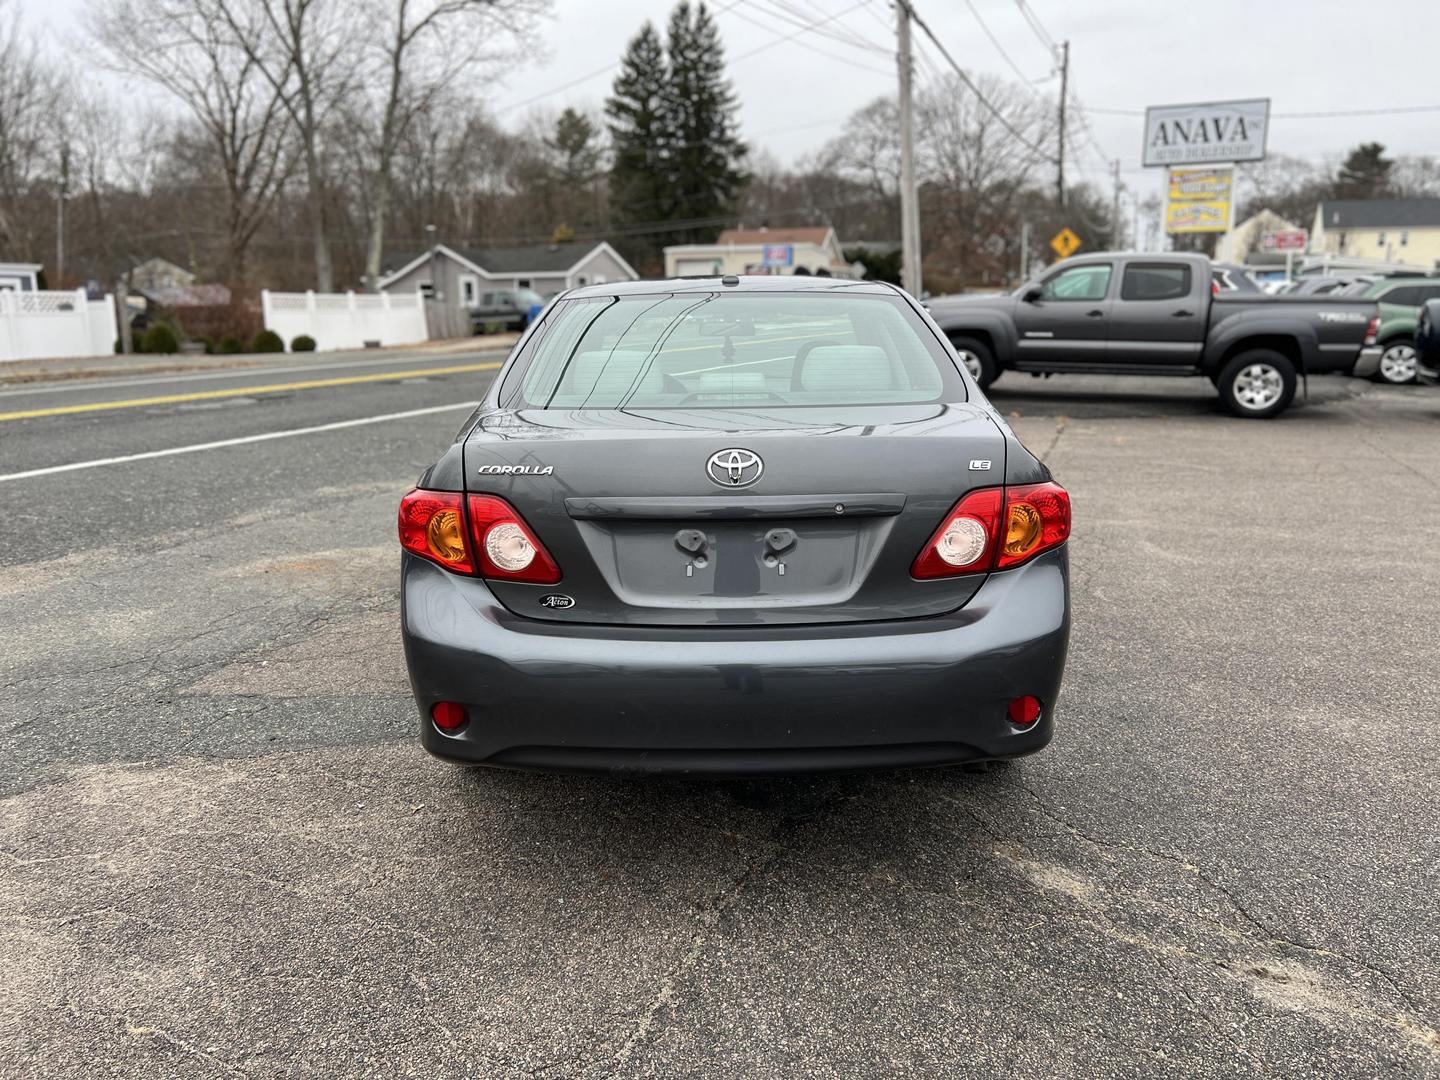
column 1380, row 213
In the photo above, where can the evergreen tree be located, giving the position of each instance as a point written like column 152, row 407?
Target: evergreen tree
column 707, row 163
column 640, row 139
column 1365, row 174
column 574, row 165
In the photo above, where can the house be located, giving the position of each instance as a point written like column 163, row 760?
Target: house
column 155, row 274
column 19, row 277
column 764, row 251
column 465, row 273
column 1404, row 231
column 1245, row 241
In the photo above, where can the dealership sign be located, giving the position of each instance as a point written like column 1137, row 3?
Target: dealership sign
column 1217, row 131
column 777, row 255
column 1285, row 240
column 1199, row 200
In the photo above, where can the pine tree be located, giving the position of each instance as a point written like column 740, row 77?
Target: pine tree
column 1365, row 174
column 640, row 138
column 707, row 163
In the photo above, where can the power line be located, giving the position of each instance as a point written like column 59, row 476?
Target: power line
column 807, row 21
column 1004, row 122
column 804, row 29
column 1399, row 110
column 996, row 42
column 1037, row 26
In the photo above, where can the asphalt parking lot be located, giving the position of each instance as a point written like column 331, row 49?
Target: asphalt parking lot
column 222, row 852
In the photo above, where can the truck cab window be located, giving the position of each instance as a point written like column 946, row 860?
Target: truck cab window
column 1089, row 282
column 1157, row 281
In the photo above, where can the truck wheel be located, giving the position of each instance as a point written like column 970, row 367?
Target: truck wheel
column 975, row 355
column 1397, row 363
column 1257, row 384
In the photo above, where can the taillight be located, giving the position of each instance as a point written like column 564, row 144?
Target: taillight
column 432, row 525
column 505, row 546
column 1372, row 329
column 995, row 529
column 1214, row 287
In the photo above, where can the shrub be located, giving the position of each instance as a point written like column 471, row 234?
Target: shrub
column 303, row 343
column 267, row 341
column 229, row 345
column 160, row 338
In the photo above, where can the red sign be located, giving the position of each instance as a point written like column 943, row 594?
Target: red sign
column 1286, row 240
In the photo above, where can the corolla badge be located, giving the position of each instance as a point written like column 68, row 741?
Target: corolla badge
column 734, row 468
column 516, row 470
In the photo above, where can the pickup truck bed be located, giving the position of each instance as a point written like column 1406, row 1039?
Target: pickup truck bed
column 1132, row 314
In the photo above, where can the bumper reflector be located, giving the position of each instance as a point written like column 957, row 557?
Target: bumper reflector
column 1023, row 711
column 449, row 715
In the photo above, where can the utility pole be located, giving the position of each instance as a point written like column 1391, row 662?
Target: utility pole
column 1116, row 241
column 910, row 276
column 1060, row 157
column 1024, row 252
column 60, row 196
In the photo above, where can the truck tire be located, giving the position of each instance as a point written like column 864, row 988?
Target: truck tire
column 1257, row 384
column 977, row 358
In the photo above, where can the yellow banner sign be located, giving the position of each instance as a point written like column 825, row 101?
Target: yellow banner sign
column 1199, row 200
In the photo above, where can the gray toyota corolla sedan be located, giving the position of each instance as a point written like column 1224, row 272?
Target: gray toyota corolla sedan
column 735, row 525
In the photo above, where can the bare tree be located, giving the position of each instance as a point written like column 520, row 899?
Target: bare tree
column 417, row 51
column 306, row 50
column 29, row 98
column 190, row 50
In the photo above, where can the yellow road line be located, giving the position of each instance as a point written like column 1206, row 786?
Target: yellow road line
column 245, row 391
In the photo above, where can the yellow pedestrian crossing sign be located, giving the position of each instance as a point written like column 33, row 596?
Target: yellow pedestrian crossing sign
column 1065, row 243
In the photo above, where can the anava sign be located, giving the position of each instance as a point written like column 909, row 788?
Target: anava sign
column 1216, row 131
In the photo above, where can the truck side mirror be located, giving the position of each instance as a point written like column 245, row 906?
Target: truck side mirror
column 1033, row 294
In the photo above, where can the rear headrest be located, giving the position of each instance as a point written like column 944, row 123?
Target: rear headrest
column 847, row 368
column 608, row 376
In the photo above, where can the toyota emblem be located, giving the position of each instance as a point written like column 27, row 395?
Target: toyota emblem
column 734, row 468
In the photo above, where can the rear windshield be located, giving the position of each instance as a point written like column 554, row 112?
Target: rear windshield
column 735, row 350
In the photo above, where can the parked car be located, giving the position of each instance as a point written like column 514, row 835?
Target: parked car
column 735, row 525
column 1400, row 300
column 1129, row 314
column 509, row 307
column 1322, row 284
column 1427, row 344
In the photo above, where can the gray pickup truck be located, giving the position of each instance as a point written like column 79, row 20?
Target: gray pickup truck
column 1129, row 314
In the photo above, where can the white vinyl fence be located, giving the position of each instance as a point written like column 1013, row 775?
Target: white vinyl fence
column 345, row 320
column 35, row 325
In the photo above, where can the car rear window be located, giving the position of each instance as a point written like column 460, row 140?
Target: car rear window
column 731, row 351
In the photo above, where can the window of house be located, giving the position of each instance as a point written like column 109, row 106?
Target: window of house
column 427, row 290
column 1404, row 237
column 1380, row 238
column 522, row 283
column 469, row 289
column 1342, row 243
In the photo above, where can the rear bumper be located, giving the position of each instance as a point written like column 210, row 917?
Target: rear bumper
column 736, row 700
column 1368, row 362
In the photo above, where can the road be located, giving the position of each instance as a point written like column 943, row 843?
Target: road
column 222, row 852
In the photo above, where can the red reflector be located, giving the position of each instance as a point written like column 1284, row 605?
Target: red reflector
column 1023, row 711
column 449, row 715
column 1372, row 329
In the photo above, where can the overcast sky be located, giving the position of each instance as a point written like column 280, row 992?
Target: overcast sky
column 1306, row 55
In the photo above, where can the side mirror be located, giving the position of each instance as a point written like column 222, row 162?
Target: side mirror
column 1033, row 294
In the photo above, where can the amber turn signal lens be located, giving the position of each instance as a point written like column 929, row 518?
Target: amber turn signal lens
column 1023, row 530
column 445, row 536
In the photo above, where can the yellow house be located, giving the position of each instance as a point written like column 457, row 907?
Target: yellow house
column 764, row 251
column 1393, row 230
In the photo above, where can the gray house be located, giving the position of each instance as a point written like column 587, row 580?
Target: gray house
column 465, row 274
column 19, row 277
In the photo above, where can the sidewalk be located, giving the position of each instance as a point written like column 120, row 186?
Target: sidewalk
column 18, row 372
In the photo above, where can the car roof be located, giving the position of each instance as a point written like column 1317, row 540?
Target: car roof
column 744, row 283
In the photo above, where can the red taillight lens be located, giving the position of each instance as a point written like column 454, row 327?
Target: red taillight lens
column 995, row 529
column 432, row 524
column 1214, row 287
column 505, row 546
column 1372, row 329
column 1037, row 518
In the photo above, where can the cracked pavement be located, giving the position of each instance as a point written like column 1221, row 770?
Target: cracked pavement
column 222, row 852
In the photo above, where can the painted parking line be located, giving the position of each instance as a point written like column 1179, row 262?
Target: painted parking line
column 195, row 448
column 246, row 391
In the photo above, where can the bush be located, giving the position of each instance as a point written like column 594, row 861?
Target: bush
column 303, row 343
column 267, row 341
column 229, row 345
column 161, row 339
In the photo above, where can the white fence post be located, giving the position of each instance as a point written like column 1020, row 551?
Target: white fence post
column 9, row 346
